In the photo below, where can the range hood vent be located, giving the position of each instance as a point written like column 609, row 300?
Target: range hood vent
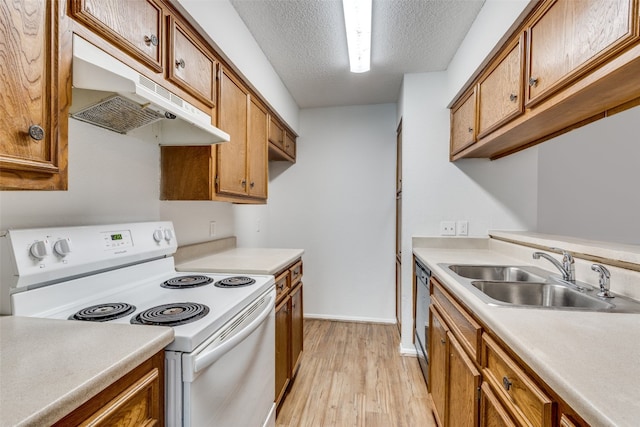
column 110, row 94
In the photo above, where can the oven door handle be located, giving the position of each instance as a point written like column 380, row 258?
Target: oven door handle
column 207, row 358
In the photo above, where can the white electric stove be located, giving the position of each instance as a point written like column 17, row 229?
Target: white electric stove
column 224, row 324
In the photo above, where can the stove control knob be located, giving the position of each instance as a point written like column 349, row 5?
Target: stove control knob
column 40, row 249
column 62, row 247
column 168, row 234
column 157, row 236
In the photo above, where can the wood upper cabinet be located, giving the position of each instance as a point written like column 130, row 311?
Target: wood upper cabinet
column 135, row 27
column 276, row 132
column 569, row 37
column 241, row 162
column 257, row 149
column 500, row 92
column 190, row 66
column 234, row 171
column 290, row 144
column 34, row 90
column 463, row 123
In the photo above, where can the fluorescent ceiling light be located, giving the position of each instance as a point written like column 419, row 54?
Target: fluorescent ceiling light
column 357, row 21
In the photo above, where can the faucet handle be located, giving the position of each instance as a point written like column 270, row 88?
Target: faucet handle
column 566, row 256
column 603, row 280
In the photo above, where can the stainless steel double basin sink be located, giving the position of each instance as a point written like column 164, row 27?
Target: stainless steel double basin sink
column 532, row 287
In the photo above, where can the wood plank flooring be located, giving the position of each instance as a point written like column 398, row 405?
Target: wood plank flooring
column 352, row 374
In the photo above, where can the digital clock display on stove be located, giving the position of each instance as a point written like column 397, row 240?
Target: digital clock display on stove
column 116, row 236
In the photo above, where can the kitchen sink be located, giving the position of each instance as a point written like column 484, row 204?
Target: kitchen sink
column 528, row 286
column 497, row 272
column 540, row 294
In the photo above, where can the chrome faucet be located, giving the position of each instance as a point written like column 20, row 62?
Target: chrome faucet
column 567, row 268
column 603, row 281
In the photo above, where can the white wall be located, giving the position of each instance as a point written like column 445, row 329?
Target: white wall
column 338, row 204
column 588, row 181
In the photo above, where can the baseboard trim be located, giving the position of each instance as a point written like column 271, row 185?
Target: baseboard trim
column 350, row 319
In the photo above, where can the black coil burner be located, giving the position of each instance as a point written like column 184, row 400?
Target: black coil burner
column 103, row 312
column 187, row 282
column 235, row 282
column 174, row 314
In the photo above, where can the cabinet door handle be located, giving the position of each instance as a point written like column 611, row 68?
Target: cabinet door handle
column 244, row 182
column 442, row 340
column 506, row 383
column 533, row 81
column 513, row 97
column 180, row 63
column 252, row 184
column 470, row 129
column 36, row 132
column 151, row 40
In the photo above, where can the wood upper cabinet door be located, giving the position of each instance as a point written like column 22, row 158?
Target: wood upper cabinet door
column 438, row 364
column 463, row 123
column 276, row 132
column 189, row 64
column 500, row 91
column 34, row 97
column 464, row 387
column 290, row 145
column 569, row 37
column 257, row 149
column 296, row 327
column 232, row 109
column 133, row 26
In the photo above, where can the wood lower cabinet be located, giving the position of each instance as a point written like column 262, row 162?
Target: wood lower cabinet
column 289, row 327
column 137, row 399
column 135, row 27
column 34, row 90
column 476, row 380
column 454, row 379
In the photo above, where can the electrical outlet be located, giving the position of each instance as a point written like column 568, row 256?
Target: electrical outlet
column 212, row 229
column 462, row 228
column 447, row 228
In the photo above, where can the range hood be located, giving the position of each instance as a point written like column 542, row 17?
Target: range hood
column 112, row 95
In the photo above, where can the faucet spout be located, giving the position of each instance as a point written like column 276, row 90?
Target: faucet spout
column 567, row 267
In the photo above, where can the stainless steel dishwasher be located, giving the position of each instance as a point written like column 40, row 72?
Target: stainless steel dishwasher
column 423, row 299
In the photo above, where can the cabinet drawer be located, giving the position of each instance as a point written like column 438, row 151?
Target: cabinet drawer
column 282, row 285
column 296, row 273
column 466, row 329
column 521, row 396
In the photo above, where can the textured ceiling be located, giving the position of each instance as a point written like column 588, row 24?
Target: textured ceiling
column 306, row 43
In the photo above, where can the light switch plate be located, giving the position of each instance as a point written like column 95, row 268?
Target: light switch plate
column 462, row 228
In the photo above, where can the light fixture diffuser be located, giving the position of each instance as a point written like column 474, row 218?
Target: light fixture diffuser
column 357, row 21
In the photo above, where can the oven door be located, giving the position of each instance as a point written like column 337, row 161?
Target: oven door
column 230, row 379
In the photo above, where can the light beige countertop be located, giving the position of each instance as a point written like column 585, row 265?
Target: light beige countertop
column 243, row 260
column 49, row 367
column 590, row 359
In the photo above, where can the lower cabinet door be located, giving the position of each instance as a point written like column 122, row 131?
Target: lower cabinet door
column 282, row 348
column 492, row 413
column 438, row 350
column 297, row 330
column 464, row 387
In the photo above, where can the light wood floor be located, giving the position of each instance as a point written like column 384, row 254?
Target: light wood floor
column 352, row 374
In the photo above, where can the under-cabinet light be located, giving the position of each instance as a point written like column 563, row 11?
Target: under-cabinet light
column 357, row 22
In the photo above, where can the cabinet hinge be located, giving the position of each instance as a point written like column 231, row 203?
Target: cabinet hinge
column 217, row 181
column 479, row 393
